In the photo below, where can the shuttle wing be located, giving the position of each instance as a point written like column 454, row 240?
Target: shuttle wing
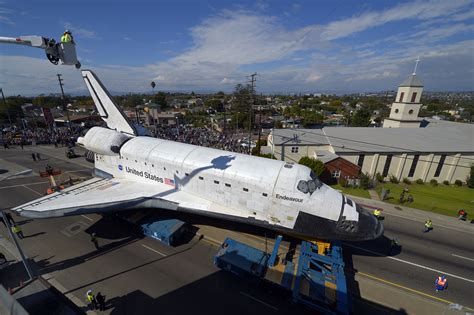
column 98, row 195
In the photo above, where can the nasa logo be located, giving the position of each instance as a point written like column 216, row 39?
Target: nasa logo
column 120, row 167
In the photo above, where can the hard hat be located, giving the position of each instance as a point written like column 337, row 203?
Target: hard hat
column 89, row 292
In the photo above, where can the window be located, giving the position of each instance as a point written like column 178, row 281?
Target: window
column 145, row 163
column 164, row 168
column 401, row 97
column 177, row 172
column 294, row 149
column 387, row 165
column 413, row 165
column 440, row 165
column 360, row 162
column 245, row 189
column 413, row 97
column 336, row 174
column 303, row 186
column 396, row 110
column 227, row 185
column 187, row 174
column 216, row 182
column 264, row 195
column 153, row 165
column 201, row 178
column 410, row 111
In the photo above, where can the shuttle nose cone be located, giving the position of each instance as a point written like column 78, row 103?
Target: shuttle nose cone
column 369, row 227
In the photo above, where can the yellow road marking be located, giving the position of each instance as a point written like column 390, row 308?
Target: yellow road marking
column 409, row 289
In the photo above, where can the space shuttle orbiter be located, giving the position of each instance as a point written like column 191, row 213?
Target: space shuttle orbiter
column 135, row 172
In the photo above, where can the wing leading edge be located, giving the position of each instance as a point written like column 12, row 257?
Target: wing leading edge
column 97, row 195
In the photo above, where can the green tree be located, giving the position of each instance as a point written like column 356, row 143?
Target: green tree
column 315, row 165
column 215, row 104
column 361, row 118
column 311, row 118
column 160, row 99
column 470, row 179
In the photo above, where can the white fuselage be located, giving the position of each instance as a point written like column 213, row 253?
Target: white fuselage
column 243, row 185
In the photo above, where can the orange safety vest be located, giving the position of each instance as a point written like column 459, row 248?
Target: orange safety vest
column 441, row 281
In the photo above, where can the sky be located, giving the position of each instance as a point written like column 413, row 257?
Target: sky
column 337, row 46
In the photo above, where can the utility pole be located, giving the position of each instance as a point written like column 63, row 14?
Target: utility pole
column 63, row 98
column 252, row 103
column 5, row 104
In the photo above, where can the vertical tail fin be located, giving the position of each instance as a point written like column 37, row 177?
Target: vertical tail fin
column 108, row 110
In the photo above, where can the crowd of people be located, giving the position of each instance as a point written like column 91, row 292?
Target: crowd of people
column 202, row 137
column 61, row 136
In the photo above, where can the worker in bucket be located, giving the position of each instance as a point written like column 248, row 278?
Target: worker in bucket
column 441, row 283
column 378, row 213
column 67, row 37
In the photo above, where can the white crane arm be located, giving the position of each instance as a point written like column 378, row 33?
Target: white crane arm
column 32, row 40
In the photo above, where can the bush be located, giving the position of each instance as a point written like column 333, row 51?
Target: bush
column 394, row 179
column 419, row 181
column 315, row 165
column 470, row 179
column 434, row 182
column 406, row 181
column 379, row 178
column 364, row 181
column 343, row 182
column 457, row 182
column 446, row 182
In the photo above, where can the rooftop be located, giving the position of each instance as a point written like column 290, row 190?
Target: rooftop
column 449, row 139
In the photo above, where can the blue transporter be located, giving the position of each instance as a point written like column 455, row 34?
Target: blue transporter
column 315, row 275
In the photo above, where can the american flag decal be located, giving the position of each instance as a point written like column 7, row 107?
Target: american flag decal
column 169, row 181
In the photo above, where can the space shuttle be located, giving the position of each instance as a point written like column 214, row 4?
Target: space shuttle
column 141, row 172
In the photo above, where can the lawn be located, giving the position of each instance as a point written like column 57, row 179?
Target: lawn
column 440, row 199
column 352, row 191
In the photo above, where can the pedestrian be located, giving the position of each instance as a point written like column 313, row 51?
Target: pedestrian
column 100, row 301
column 91, row 300
column 33, row 156
column 38, row 156
column 94, row 240
column 17, row 230
column 428, row 226
column 441, row 283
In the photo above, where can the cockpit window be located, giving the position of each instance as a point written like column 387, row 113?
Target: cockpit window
column 303, row 186
column 309, row 185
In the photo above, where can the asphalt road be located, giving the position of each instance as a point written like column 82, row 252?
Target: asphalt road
column 423, row 257
column 132, row 271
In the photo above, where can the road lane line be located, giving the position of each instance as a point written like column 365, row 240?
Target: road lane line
column 462, row 257
column 84, row 216
column 21, row 185
column 153, row 250
column 33, row 190
column 409, row 289
column 259, row 301
column 411, row 263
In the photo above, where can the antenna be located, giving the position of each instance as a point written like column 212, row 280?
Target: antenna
column 416, row 65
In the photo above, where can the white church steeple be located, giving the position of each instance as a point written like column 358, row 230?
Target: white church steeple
column 405, row 109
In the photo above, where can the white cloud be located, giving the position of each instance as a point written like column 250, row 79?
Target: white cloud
column 406, row 11
column 79, row 31
column 228, row 81
column 5, row 15
column 125, row 37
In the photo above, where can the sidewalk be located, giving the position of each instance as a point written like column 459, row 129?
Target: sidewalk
column 416, row 214
column 41, row 292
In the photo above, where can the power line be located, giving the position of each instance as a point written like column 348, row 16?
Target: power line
column 363, row 151
column 369, row 143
